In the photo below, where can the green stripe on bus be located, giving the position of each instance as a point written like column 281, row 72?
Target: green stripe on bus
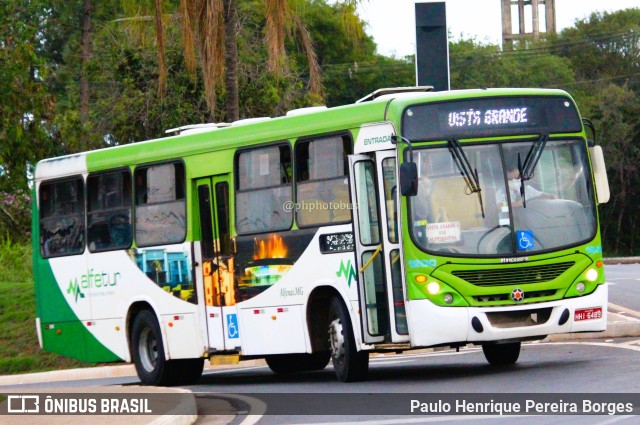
column 66, row 334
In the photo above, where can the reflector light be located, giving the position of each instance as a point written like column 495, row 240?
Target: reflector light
column 580, row 287
column 421, row 278
column 448, row 298
column 599, row 264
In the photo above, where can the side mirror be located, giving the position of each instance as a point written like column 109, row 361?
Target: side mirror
column 408, row 179
column 591, row 139
column 600, row 174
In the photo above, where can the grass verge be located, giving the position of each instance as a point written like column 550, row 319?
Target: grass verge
column 19, row 348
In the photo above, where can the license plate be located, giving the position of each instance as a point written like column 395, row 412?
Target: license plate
column 587, row 314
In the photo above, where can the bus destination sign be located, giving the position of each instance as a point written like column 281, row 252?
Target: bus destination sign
column 490, row 117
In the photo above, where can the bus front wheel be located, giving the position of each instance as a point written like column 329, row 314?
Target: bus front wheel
column 148, row 351
column 349, row 363
column 501, row 354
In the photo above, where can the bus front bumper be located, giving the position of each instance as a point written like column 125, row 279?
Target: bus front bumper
column 431, row 325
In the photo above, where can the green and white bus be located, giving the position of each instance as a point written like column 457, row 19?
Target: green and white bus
column 409, row 219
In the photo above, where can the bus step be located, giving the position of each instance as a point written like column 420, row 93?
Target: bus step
column 225, row 359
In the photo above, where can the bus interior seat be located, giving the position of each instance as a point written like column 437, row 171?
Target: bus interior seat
column 319, row 213
column 340, row 200
column 555, row 221
column 449, row 202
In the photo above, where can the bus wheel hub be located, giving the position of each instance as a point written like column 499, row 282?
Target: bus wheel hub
column 336, row 340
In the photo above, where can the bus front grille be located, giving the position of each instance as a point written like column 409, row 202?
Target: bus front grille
column 529, row 296
column 513, row 276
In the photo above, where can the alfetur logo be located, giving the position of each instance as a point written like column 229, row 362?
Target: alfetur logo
column 91, row 281
column 347, row 271
column 74, row 289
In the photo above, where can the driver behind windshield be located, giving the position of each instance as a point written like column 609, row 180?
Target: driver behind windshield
column 515, row 183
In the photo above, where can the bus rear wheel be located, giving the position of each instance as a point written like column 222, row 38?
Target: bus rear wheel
column 148, row 350
column 349, row 363
column 501, row 354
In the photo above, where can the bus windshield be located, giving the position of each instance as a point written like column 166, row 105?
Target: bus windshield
column 511, row 216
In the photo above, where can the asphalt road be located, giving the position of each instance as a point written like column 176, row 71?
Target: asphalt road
column 624, row 285
column 564, row 368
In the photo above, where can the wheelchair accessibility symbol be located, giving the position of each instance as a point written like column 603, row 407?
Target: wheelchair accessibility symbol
column 525, row 240
column 232, row 326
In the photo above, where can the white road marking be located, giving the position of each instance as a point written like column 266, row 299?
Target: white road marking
column 257, row 408
column 595, row 344
column 385, row 362
column 212, row 372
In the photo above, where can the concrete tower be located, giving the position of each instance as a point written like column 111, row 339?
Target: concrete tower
column 507, row 29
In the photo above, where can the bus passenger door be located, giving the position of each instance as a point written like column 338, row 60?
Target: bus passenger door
column 389, row 212
column 217, row 262
column 377, row 247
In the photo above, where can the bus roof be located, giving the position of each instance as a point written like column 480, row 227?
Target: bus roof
column 387, row 106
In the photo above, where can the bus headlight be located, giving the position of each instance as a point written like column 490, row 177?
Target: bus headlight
column 580, row 287
column 592, row 275
column 448, row 298
column 433, row 288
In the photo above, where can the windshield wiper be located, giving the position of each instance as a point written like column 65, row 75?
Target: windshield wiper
column 469, row 174
column 530, row 162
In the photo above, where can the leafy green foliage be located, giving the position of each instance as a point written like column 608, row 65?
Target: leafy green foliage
column 27, row 106
column 15, row 217
column 597, row 61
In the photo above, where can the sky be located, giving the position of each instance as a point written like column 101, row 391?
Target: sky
column 392, row 22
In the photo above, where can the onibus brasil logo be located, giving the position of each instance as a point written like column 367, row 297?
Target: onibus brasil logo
column 348, row 272
column 90, row 281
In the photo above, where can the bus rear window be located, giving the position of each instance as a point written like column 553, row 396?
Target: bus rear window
column 62, row 218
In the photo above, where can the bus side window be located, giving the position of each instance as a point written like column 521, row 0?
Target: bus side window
column 109, row 211
column 62, row 217
column 322, row 188
column 264, row 189
column 160, row 213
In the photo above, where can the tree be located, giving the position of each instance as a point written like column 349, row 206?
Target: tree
column 604, row 47
column 476, row 65
column 27, row 106
column 214, row 23
column 615, row 113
